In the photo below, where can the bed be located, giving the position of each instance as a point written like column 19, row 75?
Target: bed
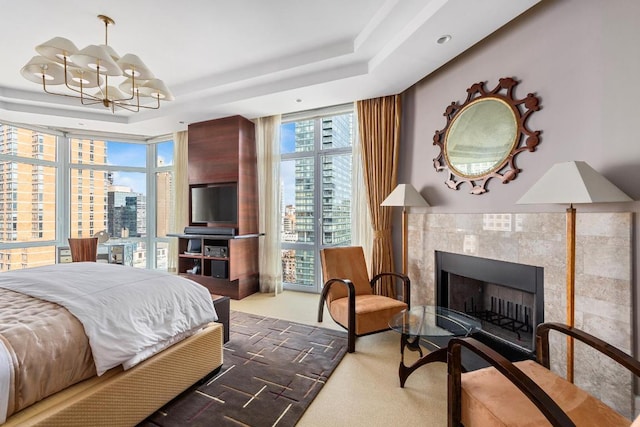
column 100, row 344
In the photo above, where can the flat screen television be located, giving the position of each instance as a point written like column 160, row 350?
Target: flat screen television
column 215, row 203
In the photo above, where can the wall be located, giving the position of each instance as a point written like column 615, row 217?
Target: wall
column 581, row 58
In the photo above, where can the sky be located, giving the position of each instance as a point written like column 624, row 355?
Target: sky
column 287, row 169
column 125, row 154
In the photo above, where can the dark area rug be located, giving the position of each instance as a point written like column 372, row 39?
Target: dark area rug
column 272, row 371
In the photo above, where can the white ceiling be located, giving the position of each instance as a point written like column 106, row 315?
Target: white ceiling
column 249, row 57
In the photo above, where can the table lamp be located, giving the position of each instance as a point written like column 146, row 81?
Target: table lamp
column 569, row 183
column 404, row 195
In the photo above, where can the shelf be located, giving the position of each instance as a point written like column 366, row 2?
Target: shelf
column 235, row 275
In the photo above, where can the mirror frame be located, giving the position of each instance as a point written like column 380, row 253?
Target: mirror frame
column 525, row 139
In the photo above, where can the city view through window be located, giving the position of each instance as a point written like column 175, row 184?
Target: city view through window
column 316, row 194
column 107, row 186
column 107, row 191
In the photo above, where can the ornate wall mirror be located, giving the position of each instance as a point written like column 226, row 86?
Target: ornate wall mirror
column 484, row 134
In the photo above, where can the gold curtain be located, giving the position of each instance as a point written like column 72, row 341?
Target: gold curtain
column 379, row 127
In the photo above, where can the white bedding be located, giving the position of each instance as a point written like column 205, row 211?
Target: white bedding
column 128, row 313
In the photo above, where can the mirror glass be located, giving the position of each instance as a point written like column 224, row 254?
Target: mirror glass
column 481, row 137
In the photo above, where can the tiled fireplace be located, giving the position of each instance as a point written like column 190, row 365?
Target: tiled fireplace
column 507, row 297
column 603, row 279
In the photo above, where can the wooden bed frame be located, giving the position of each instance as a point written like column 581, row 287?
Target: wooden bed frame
column 124, row 398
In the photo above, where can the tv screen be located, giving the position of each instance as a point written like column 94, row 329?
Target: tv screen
column 215, row 203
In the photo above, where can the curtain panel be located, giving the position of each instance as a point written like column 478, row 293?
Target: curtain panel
column 361, row 230
column 269, row 215
column 180, row 217
column 379, row 128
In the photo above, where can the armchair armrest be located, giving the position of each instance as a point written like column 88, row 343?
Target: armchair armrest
column 351, row 321
column 406, row 284
column 556, row 416
column 542, row 341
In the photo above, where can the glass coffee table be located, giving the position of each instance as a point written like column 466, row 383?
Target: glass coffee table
column 434, row 326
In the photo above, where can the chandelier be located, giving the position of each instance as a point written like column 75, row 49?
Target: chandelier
column 61, row 63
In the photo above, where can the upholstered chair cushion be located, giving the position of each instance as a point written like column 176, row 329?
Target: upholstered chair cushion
column 503, row 404
column 345, row 263
column 373, row 312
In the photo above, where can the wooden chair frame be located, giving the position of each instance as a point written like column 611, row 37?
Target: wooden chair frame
column 83, row 249
column 554, row 414
column 351, row 294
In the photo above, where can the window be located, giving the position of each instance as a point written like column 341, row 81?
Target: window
column 115, row 197
column 106, row 189
column 28, row 160
column 316, row 188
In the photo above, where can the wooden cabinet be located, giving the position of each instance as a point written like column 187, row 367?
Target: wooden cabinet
column 223, row 151
column 226, row 265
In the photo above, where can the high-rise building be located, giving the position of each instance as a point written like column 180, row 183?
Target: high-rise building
column 122, row 212
column 27, row 197
column 88, row 187
column 164, row 197
column 336, row 132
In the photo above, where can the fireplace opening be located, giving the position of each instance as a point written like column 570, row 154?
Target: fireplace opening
column 506, row 297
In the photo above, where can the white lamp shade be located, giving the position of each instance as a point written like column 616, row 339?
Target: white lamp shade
column 573, row 182
column 93, row 56
column 131, row 65
column 156, row 88
column 89, row 79
column 112, row 53
column 39, row 67
column 57, row 49
column 127, row 86
column 404, row 195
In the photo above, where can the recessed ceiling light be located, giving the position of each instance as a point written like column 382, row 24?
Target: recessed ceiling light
column 298, row 100
column 443, row 39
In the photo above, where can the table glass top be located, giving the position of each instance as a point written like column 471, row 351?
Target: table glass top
column 427, row 320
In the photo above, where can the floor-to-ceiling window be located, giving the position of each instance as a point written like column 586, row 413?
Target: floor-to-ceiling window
column 53, row 186
column 28, row 171
column 316, row 191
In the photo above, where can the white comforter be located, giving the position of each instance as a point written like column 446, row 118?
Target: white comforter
column 127, row 313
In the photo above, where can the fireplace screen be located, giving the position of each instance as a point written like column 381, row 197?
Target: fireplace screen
column 506, row 297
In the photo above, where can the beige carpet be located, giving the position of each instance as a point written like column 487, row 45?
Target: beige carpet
column 364, row 390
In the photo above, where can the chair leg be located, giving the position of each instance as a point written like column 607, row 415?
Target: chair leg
column 320, row 309
column 351, row 341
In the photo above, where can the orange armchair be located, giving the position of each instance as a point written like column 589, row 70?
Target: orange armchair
column 527, row 393
column 350, row 296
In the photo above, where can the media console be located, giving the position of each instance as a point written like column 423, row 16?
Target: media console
column 219, row 246
column 226, row 265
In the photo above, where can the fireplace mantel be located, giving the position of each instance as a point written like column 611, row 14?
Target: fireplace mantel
column 603, row 278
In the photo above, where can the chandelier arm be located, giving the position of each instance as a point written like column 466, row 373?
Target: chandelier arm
column 83, row 95
column 127, row 107
column 155, row 107
column 133, row 93
column 95, row 100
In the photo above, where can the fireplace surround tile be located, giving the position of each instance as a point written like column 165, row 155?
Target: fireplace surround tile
column 603, row 278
